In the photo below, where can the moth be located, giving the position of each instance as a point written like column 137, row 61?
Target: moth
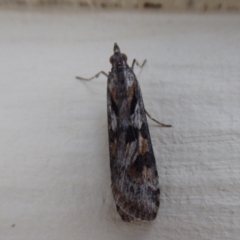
column 134, row 174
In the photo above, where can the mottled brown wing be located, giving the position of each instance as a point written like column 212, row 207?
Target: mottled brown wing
column 133, row 168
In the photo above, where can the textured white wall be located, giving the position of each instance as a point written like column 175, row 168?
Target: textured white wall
column 200, row 5
column 54, row 162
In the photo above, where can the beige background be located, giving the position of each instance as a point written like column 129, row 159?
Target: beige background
column 54, row 162
column 176, row 5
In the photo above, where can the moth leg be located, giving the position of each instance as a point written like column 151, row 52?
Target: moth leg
column 95, row 76
column 137, row 63
column 161, row 124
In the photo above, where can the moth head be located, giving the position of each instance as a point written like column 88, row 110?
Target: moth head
column 117, row 55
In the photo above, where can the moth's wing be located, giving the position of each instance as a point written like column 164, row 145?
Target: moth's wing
column 112, row 131
column 133, row 168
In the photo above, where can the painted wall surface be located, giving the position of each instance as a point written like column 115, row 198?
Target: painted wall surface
column 54, row 161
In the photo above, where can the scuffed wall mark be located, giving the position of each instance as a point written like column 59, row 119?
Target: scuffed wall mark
column 205, row 7
column 152, row 5
column 219, row 6
column 190, row 3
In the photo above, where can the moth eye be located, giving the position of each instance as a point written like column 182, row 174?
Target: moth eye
column 111, row 59
column 124, row 57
